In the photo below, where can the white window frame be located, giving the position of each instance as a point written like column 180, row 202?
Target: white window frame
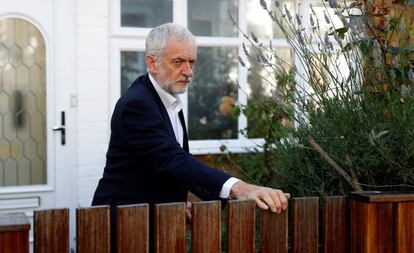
column 133, row 39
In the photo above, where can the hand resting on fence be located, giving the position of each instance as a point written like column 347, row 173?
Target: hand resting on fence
column 188, row 212
column 264, row 197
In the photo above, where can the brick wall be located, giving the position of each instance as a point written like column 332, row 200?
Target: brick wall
column 93, row 90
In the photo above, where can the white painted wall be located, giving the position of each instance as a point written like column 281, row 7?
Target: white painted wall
column 93, row 94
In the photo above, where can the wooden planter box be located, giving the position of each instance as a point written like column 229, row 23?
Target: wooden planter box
column 14, row 233
column 382, row 222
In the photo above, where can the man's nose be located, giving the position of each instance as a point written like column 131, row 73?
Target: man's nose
column 187, row 70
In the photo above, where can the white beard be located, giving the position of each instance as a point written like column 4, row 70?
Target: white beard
column 171, row 86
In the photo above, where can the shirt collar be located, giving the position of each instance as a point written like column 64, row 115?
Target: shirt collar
column 167, row 99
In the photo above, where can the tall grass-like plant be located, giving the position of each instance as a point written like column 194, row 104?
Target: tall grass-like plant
column 341, row 118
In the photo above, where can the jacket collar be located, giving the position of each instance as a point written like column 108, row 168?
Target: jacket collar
column 169, row 101
column 147, row 83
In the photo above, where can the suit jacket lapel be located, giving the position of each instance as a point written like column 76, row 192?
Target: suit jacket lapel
column 185, row 141
column 164, row 113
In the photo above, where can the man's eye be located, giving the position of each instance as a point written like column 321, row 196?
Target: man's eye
column 177, row 62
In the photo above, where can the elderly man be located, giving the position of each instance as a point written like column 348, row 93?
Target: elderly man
column 148, row 159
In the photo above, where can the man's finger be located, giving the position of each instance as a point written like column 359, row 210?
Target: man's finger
column 188, row 212
column 284, row 200
column 270, row 201
column 261, row 204
column 276, row 201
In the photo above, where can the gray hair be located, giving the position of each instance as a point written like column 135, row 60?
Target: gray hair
column 157, row 38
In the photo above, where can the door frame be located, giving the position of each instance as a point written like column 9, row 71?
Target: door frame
column 56, row 21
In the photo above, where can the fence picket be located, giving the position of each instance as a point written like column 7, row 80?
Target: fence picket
column 51, row 230
column 404, row 227
column 241, row 226
column 133, row 228
column 305, row 238
column 92, row 229
column 335, row 224
column 274, row 232
column 206, row 227
column 357, row 226
column 170, row 228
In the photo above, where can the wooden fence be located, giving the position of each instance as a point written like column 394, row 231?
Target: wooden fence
column 93, row 228
column 367, row 223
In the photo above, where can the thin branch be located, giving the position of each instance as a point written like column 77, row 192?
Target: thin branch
column 352, row 181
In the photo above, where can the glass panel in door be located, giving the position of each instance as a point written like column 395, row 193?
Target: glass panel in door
column 22, row 104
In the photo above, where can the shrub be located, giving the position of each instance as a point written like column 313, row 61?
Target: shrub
column 342, row 117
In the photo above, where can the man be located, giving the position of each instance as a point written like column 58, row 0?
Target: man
column 147, row 158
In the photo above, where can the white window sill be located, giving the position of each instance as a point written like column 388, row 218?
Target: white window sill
column 204, row 147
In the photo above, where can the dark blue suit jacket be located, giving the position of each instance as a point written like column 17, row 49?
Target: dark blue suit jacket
column 145, row 163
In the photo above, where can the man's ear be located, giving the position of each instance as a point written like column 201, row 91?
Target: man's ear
column 150, row 61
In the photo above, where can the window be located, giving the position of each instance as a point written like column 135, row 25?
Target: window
column 261, row 85
column 209, row 18
column 145, row 13
column 220, row 81
column 260, row 23
column 132, row 65
column 212, row 95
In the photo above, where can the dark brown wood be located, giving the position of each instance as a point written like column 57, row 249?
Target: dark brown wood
column 357, row 226
column 372, row 228
column 241, row 226
column 51, row 230
column 378, row 224
column 335, row 224
column 274, row 232
column 92, row 229
column 14, row 233
column 14, row 241
column 206, row 227
column 378, row 196
column 382, row 222
column 305, row 220
column 404, row 231
column 133, row 228
column 170, row 228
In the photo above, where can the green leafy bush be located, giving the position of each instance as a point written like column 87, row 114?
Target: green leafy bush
column 342, row 118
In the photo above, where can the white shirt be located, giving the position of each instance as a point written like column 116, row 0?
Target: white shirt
column 173, row 105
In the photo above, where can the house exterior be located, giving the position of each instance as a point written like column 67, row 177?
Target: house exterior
column 64, row 64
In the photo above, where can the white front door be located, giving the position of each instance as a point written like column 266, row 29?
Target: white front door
column 37, row 105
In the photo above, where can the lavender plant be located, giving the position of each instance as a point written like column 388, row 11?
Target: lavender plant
column 340, row 118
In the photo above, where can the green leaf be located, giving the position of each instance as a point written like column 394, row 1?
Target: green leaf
column 408, row 50
column 341, row 32
column 380, row 134
column 365, row 45
column 348, row 47
column 394, row 22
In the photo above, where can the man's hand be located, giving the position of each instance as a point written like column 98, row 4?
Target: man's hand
column 188, row 212
column 264, row 197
